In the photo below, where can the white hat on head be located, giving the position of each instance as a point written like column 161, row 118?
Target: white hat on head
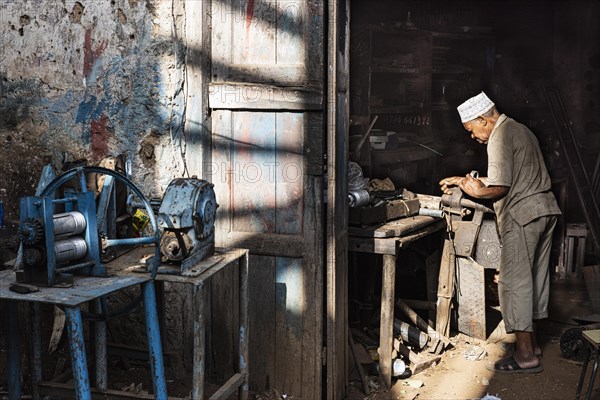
column 474, row 107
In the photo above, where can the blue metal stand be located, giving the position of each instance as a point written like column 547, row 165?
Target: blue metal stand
column 12, row 349
column 84, row 290
column 154, row 345
column 78, row 358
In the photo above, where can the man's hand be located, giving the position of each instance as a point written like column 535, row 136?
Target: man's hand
column 471, row 186
column 449, row 182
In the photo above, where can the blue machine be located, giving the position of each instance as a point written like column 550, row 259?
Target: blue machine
column 55, row 245
column 58, row 244
column 187, row 220
column 62, row 237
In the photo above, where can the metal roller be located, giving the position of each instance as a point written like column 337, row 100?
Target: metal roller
column 70, row 249
column 358, row 198
column 431, row 213
column 69, row 223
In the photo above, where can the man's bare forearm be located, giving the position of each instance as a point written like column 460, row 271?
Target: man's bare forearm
column 476, row 188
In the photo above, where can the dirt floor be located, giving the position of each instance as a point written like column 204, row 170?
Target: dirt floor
column 455, row 377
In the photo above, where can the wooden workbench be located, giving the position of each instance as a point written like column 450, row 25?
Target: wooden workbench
column 387, row 239
column 202, row 273
column 198, row 278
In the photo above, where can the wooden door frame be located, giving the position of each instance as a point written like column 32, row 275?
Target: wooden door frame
column 336, row 256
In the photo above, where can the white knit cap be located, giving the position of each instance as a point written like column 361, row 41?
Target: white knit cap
column 474, row 107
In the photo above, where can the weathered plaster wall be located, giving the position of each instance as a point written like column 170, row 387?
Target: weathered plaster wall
column 90, row 79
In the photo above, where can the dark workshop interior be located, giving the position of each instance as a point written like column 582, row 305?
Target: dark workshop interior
column 235, row 199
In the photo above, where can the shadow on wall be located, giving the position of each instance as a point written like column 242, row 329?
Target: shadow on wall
column 18, row 157
column 16, row 100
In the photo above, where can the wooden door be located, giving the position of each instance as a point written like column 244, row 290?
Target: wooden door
column 266, row 106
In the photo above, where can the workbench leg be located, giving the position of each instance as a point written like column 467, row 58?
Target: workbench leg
column 100, row 347
column 154, row 345
column 36, row 350
column 386, row 334
column 243, row 363
column 199, row 342
column 77, row 349
column 11, row 324
column 159, row 287
column 445, row 289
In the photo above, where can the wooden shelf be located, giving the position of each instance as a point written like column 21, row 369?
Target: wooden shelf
column 442, row 107
column 454, row 70
column 398, row 76
column 397, row 109
column 399, row 70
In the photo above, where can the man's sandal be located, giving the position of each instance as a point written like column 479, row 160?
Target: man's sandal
column 510, row 366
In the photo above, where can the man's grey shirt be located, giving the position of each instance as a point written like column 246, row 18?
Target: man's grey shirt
column 515, row 160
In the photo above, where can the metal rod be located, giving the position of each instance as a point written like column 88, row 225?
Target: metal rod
column 154, row 346
column 431, row 213
column 77, row 349
column 75, row 267
column 11, row 322
column 64, row 200
column 130, row 241
column 593, row 376
column 583, row 371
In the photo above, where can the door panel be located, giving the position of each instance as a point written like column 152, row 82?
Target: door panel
column 268, row 41
column 266, row 102
column 270, row 205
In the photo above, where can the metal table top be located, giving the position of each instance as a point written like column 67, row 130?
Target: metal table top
column 84, row 289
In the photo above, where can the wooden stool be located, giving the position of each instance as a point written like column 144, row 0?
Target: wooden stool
column 593, row 338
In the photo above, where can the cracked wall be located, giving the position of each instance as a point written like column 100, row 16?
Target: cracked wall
column 90, row 79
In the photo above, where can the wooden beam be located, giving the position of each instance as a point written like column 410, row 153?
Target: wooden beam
column 229, row 387
column 445, row 289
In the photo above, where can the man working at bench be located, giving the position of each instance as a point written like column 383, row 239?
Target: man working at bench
column 526, row 211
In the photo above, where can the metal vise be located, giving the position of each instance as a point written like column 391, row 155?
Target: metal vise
column 465, row 231
column 472, row 247
column 187, row 218
column 466, row 218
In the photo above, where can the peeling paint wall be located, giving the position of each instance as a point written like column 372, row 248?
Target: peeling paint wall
column 89, row 79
